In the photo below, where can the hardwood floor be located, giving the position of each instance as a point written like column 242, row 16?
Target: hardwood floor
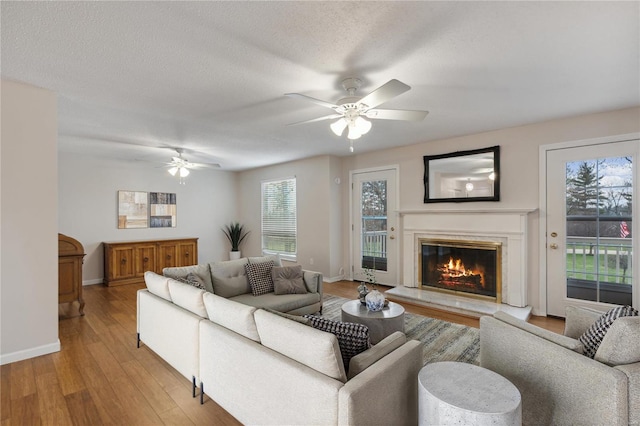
column 100, row 377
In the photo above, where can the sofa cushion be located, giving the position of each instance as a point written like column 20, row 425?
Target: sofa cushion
column 352, row 338
column 592, row 338
column 261, row 259
column 203, row 271
column 188, row 297
column 232, row 315
column 282, row 303
column 621, row 344
column 309, row 346
column 230, row 278
column 259, row 275
column 158, row 285
column 288, row 280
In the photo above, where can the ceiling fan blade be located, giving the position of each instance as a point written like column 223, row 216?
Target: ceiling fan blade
column 314, row 100
column 396, row 114
column 203, row 165
column 326, row 117
column 382, row 94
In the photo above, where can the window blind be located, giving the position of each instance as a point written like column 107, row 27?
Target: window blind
column 279, row 221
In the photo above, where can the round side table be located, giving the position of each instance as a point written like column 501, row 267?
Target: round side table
column 455, row 393
column 381, row 323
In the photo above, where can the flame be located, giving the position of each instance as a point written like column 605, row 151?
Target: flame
column 456, row 269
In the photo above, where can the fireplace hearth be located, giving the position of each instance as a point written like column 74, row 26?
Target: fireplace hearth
column 469, row 268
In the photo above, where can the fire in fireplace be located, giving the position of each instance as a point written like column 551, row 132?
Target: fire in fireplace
column 467, row 267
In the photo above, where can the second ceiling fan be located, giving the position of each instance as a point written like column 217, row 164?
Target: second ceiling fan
column 352, row 111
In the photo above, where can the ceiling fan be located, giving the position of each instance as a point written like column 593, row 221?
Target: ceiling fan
column 352, row 110
column 180, row 166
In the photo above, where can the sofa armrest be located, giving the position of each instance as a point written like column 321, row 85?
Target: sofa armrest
column 366, row 359
column 313, row 282
column 558, row 386
column 633, row 376
column 558, row 339
column 360, row 401
column 578, row 320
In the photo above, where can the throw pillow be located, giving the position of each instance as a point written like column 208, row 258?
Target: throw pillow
column 288, row 280
column 194, row 280
column 352, row 338
column 592, row 338
column 259, row 275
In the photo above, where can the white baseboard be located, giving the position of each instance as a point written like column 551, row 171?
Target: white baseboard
column 30, row 353
column 92, row 282
column 333, row 279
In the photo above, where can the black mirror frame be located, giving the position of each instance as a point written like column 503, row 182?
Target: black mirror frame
column 496, row 169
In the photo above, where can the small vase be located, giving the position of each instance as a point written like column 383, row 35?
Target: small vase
column 362, row 293
column 375, row 301
column 233, row 255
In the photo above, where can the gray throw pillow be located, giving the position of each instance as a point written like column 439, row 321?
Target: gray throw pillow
column 194, row 280
column 592, row 338
column 288, row 280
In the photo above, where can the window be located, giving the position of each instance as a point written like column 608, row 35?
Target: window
column 279, row 221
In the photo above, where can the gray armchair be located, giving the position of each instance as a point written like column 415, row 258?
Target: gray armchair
column 559, row 385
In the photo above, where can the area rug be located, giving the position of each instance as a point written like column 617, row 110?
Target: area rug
column 442, row 340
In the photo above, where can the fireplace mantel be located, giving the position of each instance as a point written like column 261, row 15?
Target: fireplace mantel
column 506, row 226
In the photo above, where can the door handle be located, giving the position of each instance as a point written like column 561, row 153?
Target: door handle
column 392, row 237
column 553, row 246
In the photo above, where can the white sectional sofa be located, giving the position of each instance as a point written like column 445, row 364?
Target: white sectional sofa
column 266, row 369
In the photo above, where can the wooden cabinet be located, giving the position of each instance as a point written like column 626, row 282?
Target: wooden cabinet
column 125, row 262
column 70, row 258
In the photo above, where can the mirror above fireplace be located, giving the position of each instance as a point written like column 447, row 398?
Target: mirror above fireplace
column 462, row 176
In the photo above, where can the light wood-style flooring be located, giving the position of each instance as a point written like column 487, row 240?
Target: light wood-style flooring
column 101, row 378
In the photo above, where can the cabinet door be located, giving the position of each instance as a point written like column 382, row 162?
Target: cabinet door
column 67, row 280
column 188, row 253
column 146, row 259
column 168, row 255
column 122, row 261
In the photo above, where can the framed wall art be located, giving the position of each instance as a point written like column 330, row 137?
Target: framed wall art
column 163, row 210
column 133, row 210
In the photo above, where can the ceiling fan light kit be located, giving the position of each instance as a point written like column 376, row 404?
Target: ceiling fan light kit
column 352, row 110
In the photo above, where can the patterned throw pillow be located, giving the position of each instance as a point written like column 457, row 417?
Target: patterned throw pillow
column 352, row 338
column 592, row 338
column 288, row 280
column 194, row 280
column 259, row 275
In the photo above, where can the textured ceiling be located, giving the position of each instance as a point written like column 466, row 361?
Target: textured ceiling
column 211, row 76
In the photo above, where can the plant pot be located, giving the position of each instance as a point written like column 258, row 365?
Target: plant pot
column 233, row 255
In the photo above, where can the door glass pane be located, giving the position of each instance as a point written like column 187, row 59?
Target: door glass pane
column 599, row 230
column 373, row 239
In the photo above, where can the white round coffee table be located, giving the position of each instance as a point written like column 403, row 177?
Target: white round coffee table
column 381, row 323
column 455, row 393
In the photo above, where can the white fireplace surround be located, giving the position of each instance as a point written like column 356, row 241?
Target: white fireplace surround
column 505, row 226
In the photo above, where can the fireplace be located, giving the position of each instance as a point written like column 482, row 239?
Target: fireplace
column 470, row 268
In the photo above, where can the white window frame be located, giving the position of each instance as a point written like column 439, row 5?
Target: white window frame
column 283, row 255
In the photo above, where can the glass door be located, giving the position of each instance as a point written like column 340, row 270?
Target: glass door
column 590, row 244
column 374, row 226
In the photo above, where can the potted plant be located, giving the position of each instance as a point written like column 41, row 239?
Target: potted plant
column 235, row 235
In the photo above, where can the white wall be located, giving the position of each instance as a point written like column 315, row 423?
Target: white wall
column 318, row 211
column 88, row 206
column 519, row 168
column 29, row 223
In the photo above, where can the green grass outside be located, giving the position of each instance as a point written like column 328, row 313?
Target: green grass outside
column 583, row 267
